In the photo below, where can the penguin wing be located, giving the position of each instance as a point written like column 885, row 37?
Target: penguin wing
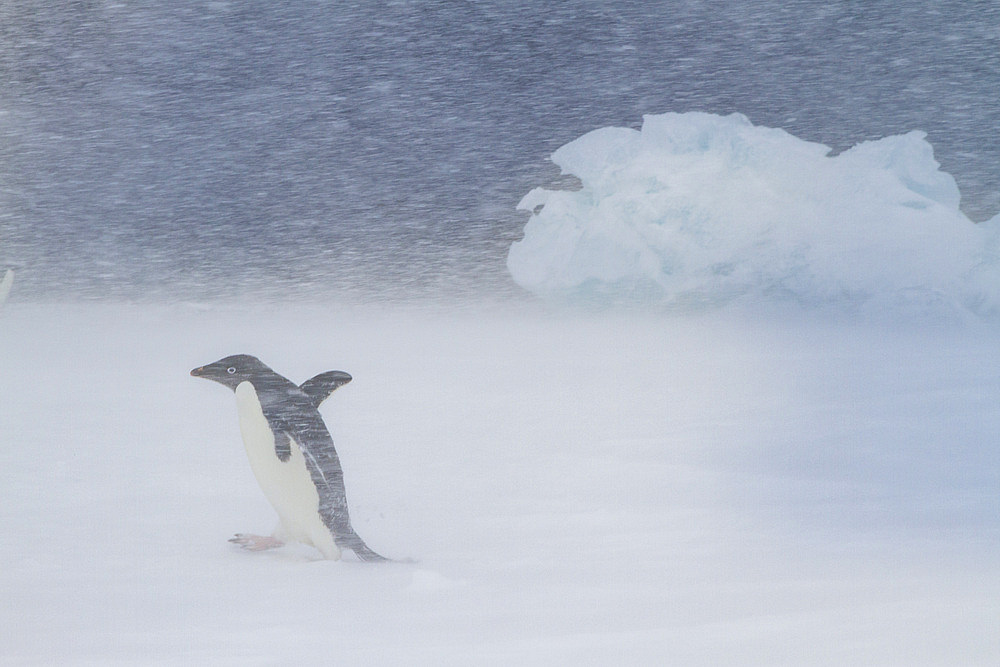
column 319, row 388
column 323, row 465
column 282, row 431
column 282, row 445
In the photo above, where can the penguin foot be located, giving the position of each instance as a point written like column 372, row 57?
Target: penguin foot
column 256, row 542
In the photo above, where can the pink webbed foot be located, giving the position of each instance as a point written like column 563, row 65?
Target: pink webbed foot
column 256, row 542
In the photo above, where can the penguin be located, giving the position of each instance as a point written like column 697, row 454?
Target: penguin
column 291, row 454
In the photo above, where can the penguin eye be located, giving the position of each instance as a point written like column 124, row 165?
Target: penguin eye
column 231, row 370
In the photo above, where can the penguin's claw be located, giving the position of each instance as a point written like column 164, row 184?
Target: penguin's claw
column 256, row 542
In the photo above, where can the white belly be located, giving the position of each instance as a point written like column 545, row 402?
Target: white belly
column 287, row 485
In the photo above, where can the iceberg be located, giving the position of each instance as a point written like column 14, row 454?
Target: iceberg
column 698, row 210
column 5, row 284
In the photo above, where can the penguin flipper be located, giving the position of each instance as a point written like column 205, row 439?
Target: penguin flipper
column 319, row 388
column 282, row 446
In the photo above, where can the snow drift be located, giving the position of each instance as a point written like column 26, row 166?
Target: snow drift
column 699, row 209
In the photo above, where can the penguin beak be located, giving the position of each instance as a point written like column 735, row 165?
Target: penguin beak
column 198, row 372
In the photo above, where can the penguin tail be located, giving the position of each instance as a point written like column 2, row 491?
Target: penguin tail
column 361, row 550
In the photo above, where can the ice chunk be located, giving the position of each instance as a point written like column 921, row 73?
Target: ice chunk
column 5, row 284
column 699, row 208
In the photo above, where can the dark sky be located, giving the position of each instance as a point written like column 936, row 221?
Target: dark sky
column 188, row 150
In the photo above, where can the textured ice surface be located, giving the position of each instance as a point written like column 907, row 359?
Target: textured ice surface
column 698, row 208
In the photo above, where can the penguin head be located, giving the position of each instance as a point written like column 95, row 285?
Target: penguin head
column 231, row 371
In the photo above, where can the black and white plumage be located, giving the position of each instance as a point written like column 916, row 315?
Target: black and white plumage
column 291, row 452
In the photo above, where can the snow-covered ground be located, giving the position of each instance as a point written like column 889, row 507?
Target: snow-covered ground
column 576, row 489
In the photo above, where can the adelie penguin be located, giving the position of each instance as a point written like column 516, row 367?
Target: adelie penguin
column 291, row 454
